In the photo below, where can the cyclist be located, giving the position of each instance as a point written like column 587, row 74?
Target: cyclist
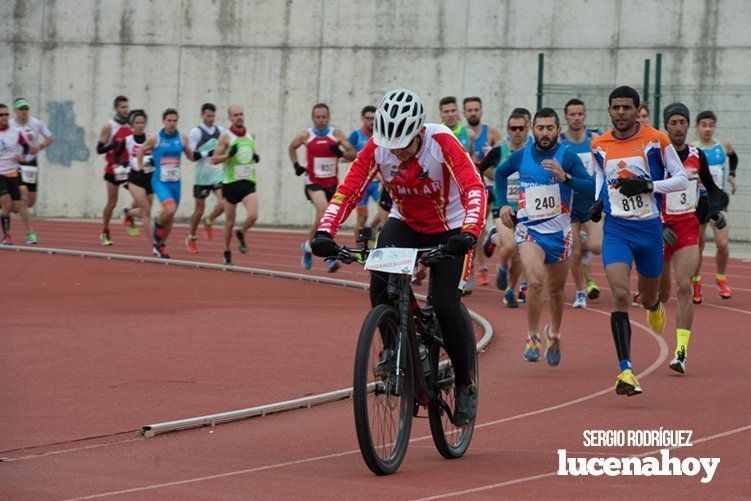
column 439, row 198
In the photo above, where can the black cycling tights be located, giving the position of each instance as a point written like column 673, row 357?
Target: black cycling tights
column 445, row 276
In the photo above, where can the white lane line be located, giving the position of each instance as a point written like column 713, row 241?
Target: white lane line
column 554, row 473
column 660, row 359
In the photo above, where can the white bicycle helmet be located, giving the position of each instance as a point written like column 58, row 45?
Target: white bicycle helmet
column 398, row 119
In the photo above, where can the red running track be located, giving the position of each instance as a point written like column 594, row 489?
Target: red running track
column 527, row 411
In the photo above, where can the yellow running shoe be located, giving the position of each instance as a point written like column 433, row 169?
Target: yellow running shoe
column 657, row 319
column 627, row 384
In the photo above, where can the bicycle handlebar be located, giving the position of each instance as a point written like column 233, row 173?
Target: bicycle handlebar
column 425, row 255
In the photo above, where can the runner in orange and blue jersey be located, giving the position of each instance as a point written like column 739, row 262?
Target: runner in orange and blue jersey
column 632, row 162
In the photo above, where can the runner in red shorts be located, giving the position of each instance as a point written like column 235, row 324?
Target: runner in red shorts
column 680, row 228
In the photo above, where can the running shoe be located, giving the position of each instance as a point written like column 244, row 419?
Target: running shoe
column 228, row 258
column 488, row 246
column 207, row 226
column 7, row 241
column 696, row 298
column 532, row 350
column 160, row 251
column 191, row 243
column 307, row 257
column 128, row 221
column 636, row 300
column 332, row 265
column 553, row 349
column 523, row 292
column 469, row 286
column 501, row 281
column 241, row 241
column 627, row 384
column 678, row 364
column 593, row 292
column 104, row 238
column 482, row 276
column 466, row 405
column 509, row 299
column 581, row 299
column 722, row 287
column 31, row 238
column 386, row 363
column 657, row 319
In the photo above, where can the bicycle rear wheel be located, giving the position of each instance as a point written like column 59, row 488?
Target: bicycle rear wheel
column 383, row 404
column 451, row 441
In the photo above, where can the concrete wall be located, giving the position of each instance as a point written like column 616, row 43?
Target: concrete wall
column 71, row 57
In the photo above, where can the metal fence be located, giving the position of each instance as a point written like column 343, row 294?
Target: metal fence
column 732, row 105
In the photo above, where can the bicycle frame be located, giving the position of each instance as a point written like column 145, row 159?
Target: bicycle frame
column 400, row 289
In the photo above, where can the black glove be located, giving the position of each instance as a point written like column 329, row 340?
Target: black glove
column 384, row 200
column 334, row 148
column 719, row 220
column 233, row 151
column 595, row 211
column 323, row 245
column 256, row 158
column 630, row 187
column 669, row 236
column 460, row 244
column 299, row 169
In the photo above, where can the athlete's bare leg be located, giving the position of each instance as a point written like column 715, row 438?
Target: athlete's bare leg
column 533, row 259
column 109, row 206
column 318, row 198
column 195, row 218
column 684, row 263
column 723, row 250
column 556, row 274
column 251, row 208
column 20, row 207
column 142, row 203
column 230, row 212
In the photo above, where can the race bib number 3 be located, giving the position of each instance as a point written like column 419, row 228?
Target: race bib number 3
column 630, row 207
column 29, row 174
column 682, row 202
column 324, row 167
column 543, row 202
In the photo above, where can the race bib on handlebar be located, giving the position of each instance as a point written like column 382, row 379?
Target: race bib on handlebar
column 398, row 260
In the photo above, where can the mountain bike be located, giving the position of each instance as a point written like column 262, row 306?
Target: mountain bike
column 401, row 366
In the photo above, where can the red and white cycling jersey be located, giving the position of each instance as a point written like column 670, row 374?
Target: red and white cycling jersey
column 438, row 190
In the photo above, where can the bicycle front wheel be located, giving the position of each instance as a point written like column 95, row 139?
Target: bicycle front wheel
column 383, row 400
column 450, row 440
